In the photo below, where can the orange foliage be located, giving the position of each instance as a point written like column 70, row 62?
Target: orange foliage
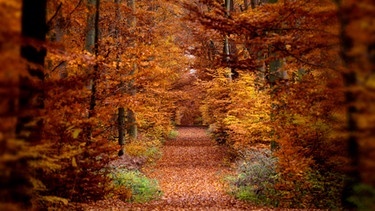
column 65, row 166
column 304, row 52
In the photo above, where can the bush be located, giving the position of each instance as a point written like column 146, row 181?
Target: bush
column 146, row 148
column 173, row 134
column 325, row 189
column 363, row 197
column 256, row 176
column 259, row 182
column 135, row 149
column 218, row 133
column 133, row 186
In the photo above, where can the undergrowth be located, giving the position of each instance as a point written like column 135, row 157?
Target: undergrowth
column 173, row 134
column 149, row 149
column 256, row 176
column 133, row 186
column 257, row 181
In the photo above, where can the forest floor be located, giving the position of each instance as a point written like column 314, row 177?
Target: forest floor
column 190, row 175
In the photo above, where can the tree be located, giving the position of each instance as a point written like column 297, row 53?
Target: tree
column 121, row 110
column 357, row 69
column 16, row 173
column 91, row 46
column 131, row 116
column 294, row 56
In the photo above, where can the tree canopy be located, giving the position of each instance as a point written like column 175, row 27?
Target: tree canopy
column 84, row 82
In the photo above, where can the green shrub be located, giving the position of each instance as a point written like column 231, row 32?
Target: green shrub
column 325, row 189
column 363, row 197
column 153, row 154
column 257, row 181
column 256, row 177
column 133, row 186
column 173, row 134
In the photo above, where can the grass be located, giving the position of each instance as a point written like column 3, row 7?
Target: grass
column 133, row 186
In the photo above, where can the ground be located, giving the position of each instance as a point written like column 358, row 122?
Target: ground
column 190, row 175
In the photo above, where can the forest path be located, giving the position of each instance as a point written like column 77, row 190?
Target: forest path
column 190, row 175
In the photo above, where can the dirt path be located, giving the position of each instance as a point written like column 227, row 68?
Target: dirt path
column 191, row 171
column 190, row 175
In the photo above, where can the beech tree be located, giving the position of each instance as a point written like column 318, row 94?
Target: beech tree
column 293, row 51
column 132, row 124
column 80, row 77
column 91, row 46
column 74, row 148
column 16, row 184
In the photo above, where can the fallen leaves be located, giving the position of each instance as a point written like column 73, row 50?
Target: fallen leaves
column 190, row 176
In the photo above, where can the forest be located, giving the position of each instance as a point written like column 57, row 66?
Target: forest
column 121, row 104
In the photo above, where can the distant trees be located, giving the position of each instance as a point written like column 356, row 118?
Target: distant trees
column 72, row 94
column 76, row 73
column 298, row 54
column 357, row 67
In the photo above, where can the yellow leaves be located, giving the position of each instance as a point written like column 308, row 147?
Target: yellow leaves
column 74, row 162
column 76, row 132
column 247, row 118
column 54, row 200
column 37, row 184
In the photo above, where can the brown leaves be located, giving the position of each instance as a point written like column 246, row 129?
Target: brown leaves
column 190, row 176
column 190, row 172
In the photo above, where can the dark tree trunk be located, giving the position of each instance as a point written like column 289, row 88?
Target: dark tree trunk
column 121, row 110
column 229, row 46
column 350, row 81
column 30, row 102
column 31, row 95
column 253, row 4
column 91, row 46
column 121, row 130
column 132, row 127
column 246, row 4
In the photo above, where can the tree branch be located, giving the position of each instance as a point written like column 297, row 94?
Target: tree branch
column 49, row 22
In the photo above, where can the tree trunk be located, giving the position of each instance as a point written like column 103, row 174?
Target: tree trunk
column 121, row 130
column 31, row 97
column 131, row 115
column 91, row 45
column 253, row 4
column 350, row 82
column 229, row 47
column 246, row 4
column 29, row 126
column 56, row 32
column 121, row 109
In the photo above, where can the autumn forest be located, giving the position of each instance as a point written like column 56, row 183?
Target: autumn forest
column 187, row 104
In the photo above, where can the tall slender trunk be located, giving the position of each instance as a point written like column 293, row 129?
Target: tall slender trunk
column 56, row 31
column 121, row 130
column 226, row 39
column 131, row 115
column 228, row 46
column 33, row 27
column 91, row 45
column 121, row 109
column 246, row 4
column 350, row 82
column 253, row 4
